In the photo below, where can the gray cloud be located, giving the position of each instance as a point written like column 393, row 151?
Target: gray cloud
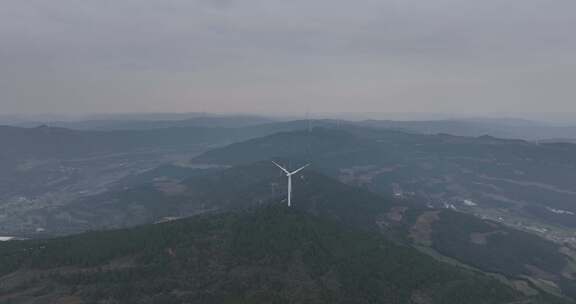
column 280, row 55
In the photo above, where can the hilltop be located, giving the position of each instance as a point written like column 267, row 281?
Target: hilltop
column 528, row 185
column 267, row 255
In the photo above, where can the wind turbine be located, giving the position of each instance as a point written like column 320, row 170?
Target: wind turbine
column 289, row 175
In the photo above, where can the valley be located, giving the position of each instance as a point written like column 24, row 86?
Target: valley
column 45, row 168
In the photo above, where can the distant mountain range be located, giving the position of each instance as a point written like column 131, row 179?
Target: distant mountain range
column 502, row 128
column 140, row 123
column 497, row 127
column 100, row 120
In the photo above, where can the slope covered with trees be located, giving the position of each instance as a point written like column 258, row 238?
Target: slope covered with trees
column 521, row 184
column 531, row 182
column 268, row 255
column 485, row 245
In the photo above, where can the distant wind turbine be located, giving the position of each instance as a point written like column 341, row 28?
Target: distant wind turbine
column 289, row 175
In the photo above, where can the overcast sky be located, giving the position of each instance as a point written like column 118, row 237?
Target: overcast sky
column 451, row 56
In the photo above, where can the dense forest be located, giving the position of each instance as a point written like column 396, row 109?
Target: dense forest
column 270, row 254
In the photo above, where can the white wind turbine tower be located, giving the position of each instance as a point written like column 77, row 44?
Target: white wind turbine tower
column 289, row 175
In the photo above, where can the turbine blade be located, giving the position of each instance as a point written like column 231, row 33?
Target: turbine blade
column 282, row 168
column 300, row 169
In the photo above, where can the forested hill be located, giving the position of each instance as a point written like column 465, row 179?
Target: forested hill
column 525, row 259
column 525, row 185
column 267, row 255
column 508, row 179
